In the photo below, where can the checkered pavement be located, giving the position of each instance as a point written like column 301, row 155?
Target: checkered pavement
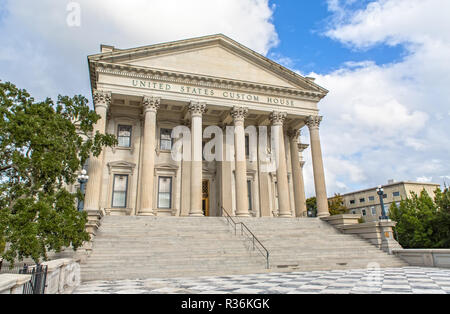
column 407, row 280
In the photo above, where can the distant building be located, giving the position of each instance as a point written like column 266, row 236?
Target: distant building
column 367, row 202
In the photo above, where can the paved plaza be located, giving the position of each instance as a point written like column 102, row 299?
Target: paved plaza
column 405, row 280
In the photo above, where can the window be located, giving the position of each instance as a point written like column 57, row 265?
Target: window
column 353, row 212
column 166, row 139
column 352, row 202
column 396, row 194
column 371, row 198
column 165, row 193
column 384, row 195
column 124, row 135
column 247, row 146
column 362, row 200
column 364, row 213
column 120, row 188
column 374, row 211
column 249, row 192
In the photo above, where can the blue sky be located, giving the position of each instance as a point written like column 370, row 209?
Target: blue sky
column 300, row 26
column 385, row 63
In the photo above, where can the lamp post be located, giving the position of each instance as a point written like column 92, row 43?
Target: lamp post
column 82, row 179
column 380, row 193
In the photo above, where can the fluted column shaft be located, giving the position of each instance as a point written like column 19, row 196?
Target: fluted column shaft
column 284, row 208
column 299, row 185
column 313, row 123
column 151, row 106
column 197, row 110
column 102, row 100
column 239, row 114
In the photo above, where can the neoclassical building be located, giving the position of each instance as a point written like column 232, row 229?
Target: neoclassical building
column 142, row 94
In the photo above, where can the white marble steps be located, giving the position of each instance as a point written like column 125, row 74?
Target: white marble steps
column 164, row 247
column 146, row 247
column 319, row 247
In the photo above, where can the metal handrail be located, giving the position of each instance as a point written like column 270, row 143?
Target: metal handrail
column 262, row 249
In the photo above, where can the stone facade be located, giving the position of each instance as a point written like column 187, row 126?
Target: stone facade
column 143, row 94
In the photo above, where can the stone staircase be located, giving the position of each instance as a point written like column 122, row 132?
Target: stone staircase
column 312, row 244
column 164, row 247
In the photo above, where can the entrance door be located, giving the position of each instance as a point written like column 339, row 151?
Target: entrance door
column 205, row 197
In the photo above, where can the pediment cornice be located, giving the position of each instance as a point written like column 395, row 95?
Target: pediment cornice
column 146, row 73
column 121, row 57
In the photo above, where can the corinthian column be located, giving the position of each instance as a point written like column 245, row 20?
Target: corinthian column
column 277, row 119
column 239, row 114
column 197, row 110
column 102, row 100
column 151, row 106
column 299, row 185
column 313, row 123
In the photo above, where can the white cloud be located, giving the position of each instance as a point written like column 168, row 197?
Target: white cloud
column 388, row 120
column 424, row 179
column 393, row 22
column 37, row 41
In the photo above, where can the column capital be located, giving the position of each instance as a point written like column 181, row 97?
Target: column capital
column 197, row 108
column 151, row 103
column 313, row 122
column 293, row 134
column 277, row 117
column 302, row 147
column 239, row 113
column 102, row 98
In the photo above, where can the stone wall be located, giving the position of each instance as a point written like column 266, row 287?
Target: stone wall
column 425, row 257
column 63, row 276
column 13, row 283
column 379, row 233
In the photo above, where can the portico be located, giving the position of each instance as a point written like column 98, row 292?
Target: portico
column 143, row 94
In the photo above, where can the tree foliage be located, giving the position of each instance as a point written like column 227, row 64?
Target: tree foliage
column 423, row 222
column 336, row 205
column 311, row 206
column 42, row 146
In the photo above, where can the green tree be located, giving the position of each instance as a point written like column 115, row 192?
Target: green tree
column 42, row 146
column 441, row 224
column 311, row 206
column 423, row 222
column 336, row 205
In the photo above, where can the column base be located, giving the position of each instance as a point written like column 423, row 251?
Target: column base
column 196, row 215
column 285, row 216
column 146, row 214
column 243, row 215
column 320, row 215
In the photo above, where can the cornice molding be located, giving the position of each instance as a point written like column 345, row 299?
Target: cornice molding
column 123, row 55
column 162, row 75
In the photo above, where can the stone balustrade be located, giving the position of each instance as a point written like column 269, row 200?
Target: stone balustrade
column 379, row 233
column 13, row 283
column 425, row 257
column 63, row 276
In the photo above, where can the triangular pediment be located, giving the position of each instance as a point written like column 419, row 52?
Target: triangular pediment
column 212, row 56
column 215, row 61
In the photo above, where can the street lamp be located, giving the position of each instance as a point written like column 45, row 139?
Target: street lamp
column 380, row 193
column 82, row 179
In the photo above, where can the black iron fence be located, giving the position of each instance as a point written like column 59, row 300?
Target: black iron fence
column 38, row 273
